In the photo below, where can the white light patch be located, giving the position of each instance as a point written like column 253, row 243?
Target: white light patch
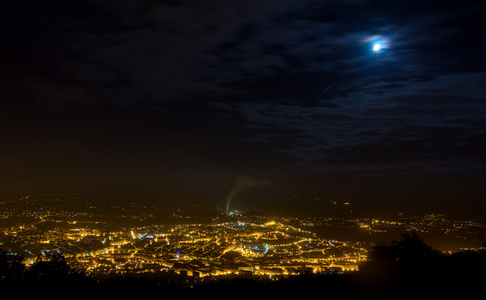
column 379, row 43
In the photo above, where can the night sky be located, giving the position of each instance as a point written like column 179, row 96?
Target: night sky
column 173, row 102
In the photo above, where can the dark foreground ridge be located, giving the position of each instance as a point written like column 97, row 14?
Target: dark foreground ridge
column 405, row 268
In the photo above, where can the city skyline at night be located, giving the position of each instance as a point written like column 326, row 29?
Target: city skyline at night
column 124, row 239
column 243, row 149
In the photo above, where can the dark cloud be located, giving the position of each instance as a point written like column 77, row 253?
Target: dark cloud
column 131, row 51
column 183, row 92
column 141, row 52
column 419, row 121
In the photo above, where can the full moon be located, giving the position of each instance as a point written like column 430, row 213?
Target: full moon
column 376, row 47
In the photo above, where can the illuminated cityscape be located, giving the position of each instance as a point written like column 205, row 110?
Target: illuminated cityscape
column 310, row 147
column 139, row 239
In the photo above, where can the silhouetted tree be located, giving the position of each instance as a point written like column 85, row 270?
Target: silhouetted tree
column 412, row 250
column 54, row 267
column 405, row 266
column 52, row 276
column 11, row 265
column 53, row 264
column 407, row 254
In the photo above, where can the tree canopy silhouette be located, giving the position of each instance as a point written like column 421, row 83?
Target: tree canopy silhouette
column 410, row 265
column 408, row 253
column 11, row 265
column 51, row 265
